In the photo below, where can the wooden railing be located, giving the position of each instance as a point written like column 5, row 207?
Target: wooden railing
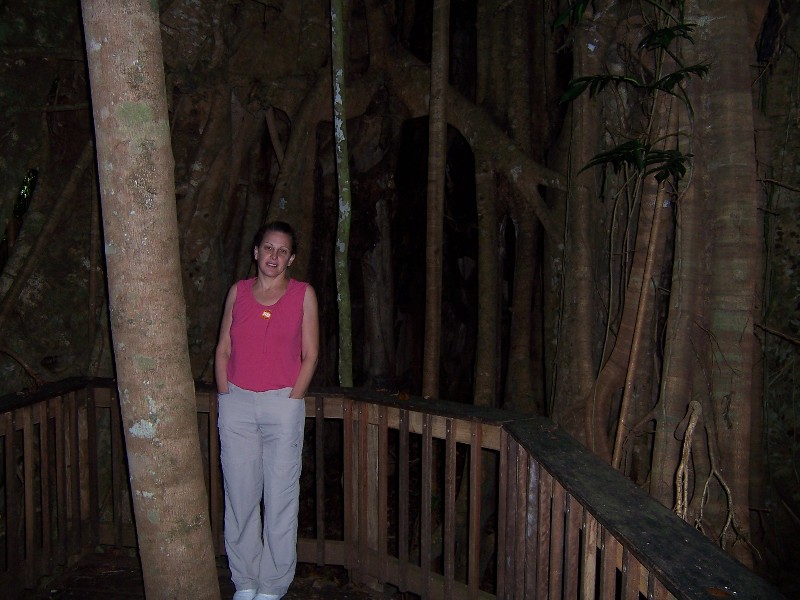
column 440, row 499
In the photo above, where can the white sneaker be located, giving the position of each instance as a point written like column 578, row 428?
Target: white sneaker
column 267, row 597
column 245, row 595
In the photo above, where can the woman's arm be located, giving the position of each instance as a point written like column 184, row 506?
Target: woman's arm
column 223, row 352
column 309, row 353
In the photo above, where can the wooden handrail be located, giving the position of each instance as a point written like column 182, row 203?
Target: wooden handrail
column 441, row 499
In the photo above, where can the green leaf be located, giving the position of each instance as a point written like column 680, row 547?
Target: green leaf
column 663, row 38
column 595, row 84
column 667, row 163
column 663, row 164
column 632, row 153
column 574, row 89
column 572, row 15
column 669, row 81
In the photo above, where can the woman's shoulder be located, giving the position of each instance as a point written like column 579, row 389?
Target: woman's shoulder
column 299, row 286
column 244, row 284
column 240, row 289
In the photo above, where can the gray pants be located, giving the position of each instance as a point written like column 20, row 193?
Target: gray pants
column 261, row 446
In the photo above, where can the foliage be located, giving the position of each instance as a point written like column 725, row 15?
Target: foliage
column 639, row 153
column 572, row 15
column 597, row 83
column 645, row 159
column 574, row 12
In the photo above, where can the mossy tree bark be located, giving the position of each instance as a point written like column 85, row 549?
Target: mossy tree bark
column 148, row 313
column 345, row 201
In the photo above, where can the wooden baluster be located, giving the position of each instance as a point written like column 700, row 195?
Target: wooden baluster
column 608, row 566
column 502, row 516
column 449, row 539
column 557, row 541
column 383, row 491
column 28, row 483
column 61, row 480
column 572, row 549
column 92, row 464
column 350, row 481
column 475, row 489
column 319, row 476
column 46, row 472
column 588, row 579
column 14, row 499
column 520, row 522
column 544, row 537
column 403, row 499
column 425, row 498
column 531, row 528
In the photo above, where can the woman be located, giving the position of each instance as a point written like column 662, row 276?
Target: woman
column 265, row 358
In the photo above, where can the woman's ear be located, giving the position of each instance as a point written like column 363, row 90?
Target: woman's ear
column 291, row 260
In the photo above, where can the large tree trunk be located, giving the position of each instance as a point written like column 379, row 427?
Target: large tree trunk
column 735, row 257
column 711, row 349
column 573, row 354
column 148, row 317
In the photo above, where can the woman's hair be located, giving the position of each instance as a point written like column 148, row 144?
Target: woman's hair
column 279, row 226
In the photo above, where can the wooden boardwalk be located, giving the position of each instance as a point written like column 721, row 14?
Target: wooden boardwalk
column 118, row 576
column 564, row 521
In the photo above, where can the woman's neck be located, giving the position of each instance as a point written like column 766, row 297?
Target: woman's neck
column 271, row 283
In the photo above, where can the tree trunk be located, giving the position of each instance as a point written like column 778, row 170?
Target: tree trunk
column 519, row 384
column 293, row 194
column 710, row 351
column 519, row 72
column 573, row 358
column 685, row 334
column 155, row 383
column 611, row 378
column 201, row 250
column 345, row 202
column 379, row 353
column 437, row 159
column 640, row 342
column 487, row 347
column 735, row 255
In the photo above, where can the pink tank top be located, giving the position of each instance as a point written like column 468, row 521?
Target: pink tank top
column 266, row 341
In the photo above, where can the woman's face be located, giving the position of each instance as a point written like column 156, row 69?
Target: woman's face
column 274, row 254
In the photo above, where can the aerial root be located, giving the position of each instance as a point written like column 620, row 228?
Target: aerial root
column 681, row 508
